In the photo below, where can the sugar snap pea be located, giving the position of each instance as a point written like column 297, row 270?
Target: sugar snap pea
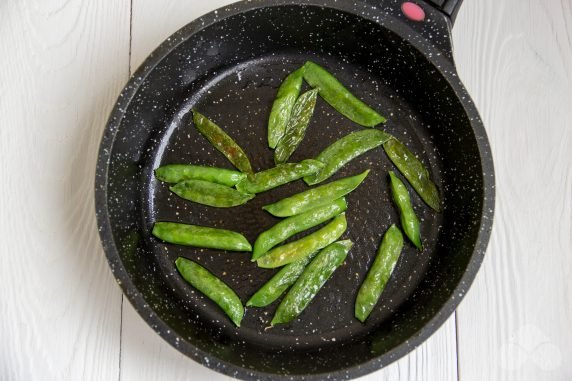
column 279, row 175
column 311, row 281
column 315, row 197
column 212, row 287
column 279, row 283
column 296, row 127
column 287, row 94
column 200, row 236
column 175, row 173
column 414, row 171
column 379, row 273
column 293, row 251
column 339, row 97
column 222, row 142
column 344, row 150
column 211, row 194
column 296, row 224
column 409, row 221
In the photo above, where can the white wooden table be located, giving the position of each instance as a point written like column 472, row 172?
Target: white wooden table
column 62, row 316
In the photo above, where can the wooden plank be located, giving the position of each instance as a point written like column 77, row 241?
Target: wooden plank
column 63, row 65
column 515, row 57
column 145, row 356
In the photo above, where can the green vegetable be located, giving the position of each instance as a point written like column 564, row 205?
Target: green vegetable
column 409, row 221
column 200, row 236
column 344, row 150
column 414, row 171
column 211, row 194
column 296, row 224
column 315, row 197
column 279, row 175
column 296, row 128
column 311, row 281
column 339, row 97
column 282, row 107
column 175, row 173
column 279, row 283
column 293, row 251
column 212, row 287
column 379, row 273
column 222, row 142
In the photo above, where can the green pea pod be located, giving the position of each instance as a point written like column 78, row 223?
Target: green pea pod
column 344, row 150
column 311, row 281
column 296, row 224
column 294, row 251
column 414, row 171
column 282, row 107
column 222, row 142
column 315, row 197
column 279, row 175
column 175, row 173
column 211, row 194
column 296, row 128
column 339, row 97
column 212, row 287
column 409, row 221
column 379, row 272
column 200, row 236
column 279, row 283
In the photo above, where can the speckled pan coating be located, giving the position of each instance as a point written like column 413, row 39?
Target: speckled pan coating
column 229, row 64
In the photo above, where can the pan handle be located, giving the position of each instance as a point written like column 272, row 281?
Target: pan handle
column 448, row 7
column 432, row 19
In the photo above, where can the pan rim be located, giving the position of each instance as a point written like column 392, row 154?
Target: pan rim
column 441, row 63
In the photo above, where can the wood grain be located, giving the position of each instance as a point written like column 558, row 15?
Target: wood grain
column 63, row 64
column 144, row 355
column 515, row 57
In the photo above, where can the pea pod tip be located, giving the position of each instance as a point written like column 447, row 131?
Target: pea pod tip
column 275, row 322
column 361, row 318
column 310, row 180
column 346, row 243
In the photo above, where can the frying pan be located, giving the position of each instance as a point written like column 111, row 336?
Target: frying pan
column 228, row 65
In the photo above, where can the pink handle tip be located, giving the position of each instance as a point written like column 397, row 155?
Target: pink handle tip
column 413, row 11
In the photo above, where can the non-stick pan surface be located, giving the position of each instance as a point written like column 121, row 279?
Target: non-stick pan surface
column 228, row 66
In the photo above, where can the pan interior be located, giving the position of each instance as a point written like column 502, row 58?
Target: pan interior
column 229, row 71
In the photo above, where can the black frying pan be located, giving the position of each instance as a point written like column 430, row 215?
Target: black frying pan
column 228, row 64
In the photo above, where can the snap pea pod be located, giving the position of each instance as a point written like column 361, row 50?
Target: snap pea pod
column 287, row 94
column 211, row 194
column 293, row 251
column 296, row 127
column 315, row 197
column 222, row 142
column 200, row 236
column 212, row 287
column 344, row 150
column 175, row 173
column 409, row 221
column 414, row 171
column 296, row 224
column 379, row 273
column 311, row 281
column 339, row 97
column 279, row 283
column 279, row 175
